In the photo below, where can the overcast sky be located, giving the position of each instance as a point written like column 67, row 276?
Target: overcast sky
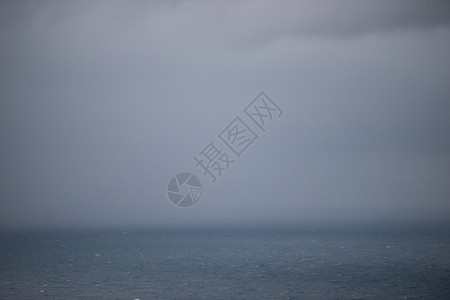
column 101, row 103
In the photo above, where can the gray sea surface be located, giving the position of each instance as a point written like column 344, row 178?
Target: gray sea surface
column 227, row 263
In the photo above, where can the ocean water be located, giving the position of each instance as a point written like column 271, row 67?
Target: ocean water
column 266, row 263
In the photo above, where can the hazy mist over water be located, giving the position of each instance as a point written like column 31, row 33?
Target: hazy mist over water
column 103, row 102
column 343, row 194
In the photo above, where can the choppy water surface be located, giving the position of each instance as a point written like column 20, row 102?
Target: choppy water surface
column 226, row 264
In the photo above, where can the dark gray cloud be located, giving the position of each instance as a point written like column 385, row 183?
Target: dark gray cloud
column 102, row 102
